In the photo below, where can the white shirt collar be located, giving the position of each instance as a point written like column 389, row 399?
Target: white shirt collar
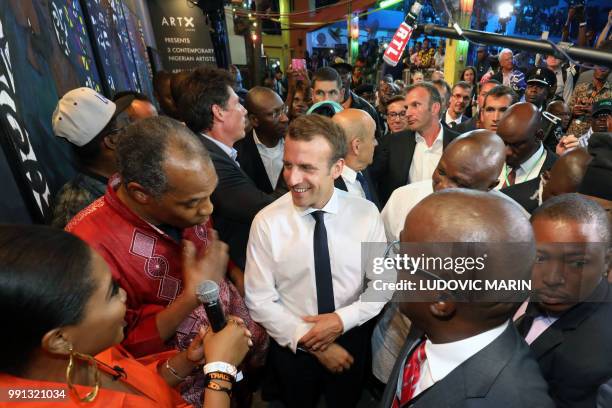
column 349, row 174
column 529, row 164
column 331, row 206
column 259, row 143
column 444, row 358
column 230, row 151
column 439, row 138
column 449, row 119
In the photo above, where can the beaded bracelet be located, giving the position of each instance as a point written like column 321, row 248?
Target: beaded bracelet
column 219, row 375
column 211, row 385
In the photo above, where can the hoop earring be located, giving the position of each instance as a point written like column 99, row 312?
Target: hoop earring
column 93, row 393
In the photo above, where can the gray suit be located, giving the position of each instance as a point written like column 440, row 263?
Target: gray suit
column 502, row 375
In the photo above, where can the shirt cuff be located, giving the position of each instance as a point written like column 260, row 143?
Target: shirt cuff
column 349, row 316
column 300, row 330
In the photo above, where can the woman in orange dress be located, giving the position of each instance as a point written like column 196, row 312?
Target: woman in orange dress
column 60, row 306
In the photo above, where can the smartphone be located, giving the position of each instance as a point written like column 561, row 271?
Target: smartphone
column 297, row 64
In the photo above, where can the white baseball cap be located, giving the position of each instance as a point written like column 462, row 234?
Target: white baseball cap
column 82, row 113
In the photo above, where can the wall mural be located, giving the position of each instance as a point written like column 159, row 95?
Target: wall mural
column 111, row 45
column 48, row 47
column 44, row 52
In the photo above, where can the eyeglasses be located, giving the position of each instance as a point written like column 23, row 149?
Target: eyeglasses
column 396, row 115
column 277, row 113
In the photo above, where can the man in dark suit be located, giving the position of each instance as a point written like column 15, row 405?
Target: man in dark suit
column 412, row 155
column 567, row 321
column 460, row 100
column 526, row 157
column 210, row 107
column 474, row 122
column 359, row 129
column 472, row 356
column 260, row 153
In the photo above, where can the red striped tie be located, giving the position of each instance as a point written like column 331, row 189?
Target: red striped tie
column 412, row 373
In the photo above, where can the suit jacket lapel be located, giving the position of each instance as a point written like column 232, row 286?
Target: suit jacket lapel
column 414, row 338
column 570, row 320
column 259, row 170
column 406, row 143
column 475, row 376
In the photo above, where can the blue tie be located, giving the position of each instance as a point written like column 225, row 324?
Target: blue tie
column 364, row 184
column 325, row 289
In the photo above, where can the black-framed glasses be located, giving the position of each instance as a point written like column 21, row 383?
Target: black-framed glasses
column 396, row 115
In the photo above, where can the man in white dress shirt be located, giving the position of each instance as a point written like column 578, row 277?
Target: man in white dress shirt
column 359, row 129
column 304, row 277
column 473, row 161
column 412, row 155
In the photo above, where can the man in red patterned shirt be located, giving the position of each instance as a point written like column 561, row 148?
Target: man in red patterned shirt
column 152, row 227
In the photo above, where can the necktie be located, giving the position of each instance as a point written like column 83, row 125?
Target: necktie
column 412, row 374
column 364, row 184
column 510, row 178
column 452, row 125
column 325, row 290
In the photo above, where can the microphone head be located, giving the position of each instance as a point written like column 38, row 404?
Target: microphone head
column 208, row 291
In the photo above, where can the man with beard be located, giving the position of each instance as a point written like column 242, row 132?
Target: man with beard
column 560, row 110
column 412, row 155
column 260, row 153
column 567, row 319
column 583, row 98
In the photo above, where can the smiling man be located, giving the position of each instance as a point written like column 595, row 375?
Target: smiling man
column 567, row 322
column 304, row 276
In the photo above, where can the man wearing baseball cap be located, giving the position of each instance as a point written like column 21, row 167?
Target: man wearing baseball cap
column 541, row 86
column 90, row 123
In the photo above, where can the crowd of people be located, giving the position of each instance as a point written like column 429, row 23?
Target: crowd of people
column 279, row 196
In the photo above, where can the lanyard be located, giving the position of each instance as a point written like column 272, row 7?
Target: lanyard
column 528, row 173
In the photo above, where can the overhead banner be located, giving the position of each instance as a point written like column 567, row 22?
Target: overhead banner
column 182, row 35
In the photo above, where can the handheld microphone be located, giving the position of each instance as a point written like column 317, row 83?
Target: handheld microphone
column 208, row 294
column 396, row 47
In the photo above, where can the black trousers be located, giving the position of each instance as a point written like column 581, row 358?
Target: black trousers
column 301, row 379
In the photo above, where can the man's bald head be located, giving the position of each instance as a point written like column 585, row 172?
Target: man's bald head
column 257, row 98
column 474, row 161
column 567, row 173
column 477, row 223
column 359, row 128
column 356, row 123
column 521, row 130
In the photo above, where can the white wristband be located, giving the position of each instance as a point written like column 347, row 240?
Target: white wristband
column 221, row 366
